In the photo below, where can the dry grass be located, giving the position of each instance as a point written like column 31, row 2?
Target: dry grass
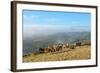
column 79, row 53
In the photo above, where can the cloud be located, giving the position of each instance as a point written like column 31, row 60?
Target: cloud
column 52, row 19
column 39, row 30
column 25, row 16
column 36, row 29
column 75, row 22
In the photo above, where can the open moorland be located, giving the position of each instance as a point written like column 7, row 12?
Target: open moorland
column 76, row 53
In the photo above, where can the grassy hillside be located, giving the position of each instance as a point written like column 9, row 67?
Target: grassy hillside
column 33, row 44
column 79, row 53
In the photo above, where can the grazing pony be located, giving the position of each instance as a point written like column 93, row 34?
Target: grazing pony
column 44, row 50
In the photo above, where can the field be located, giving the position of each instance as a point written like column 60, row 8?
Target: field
column 32, row 44
column 79, row 53
column 56, row 36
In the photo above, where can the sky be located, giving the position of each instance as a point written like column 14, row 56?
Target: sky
column 49, row 22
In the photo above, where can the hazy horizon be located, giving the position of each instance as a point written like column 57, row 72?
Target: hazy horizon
column 38, row 23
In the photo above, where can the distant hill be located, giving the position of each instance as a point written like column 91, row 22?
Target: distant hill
column 32, row 45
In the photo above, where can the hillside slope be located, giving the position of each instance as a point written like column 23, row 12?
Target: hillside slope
column 33, row 44
column 79, row 53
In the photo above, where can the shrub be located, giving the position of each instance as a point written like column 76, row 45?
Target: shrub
column 72, row 47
